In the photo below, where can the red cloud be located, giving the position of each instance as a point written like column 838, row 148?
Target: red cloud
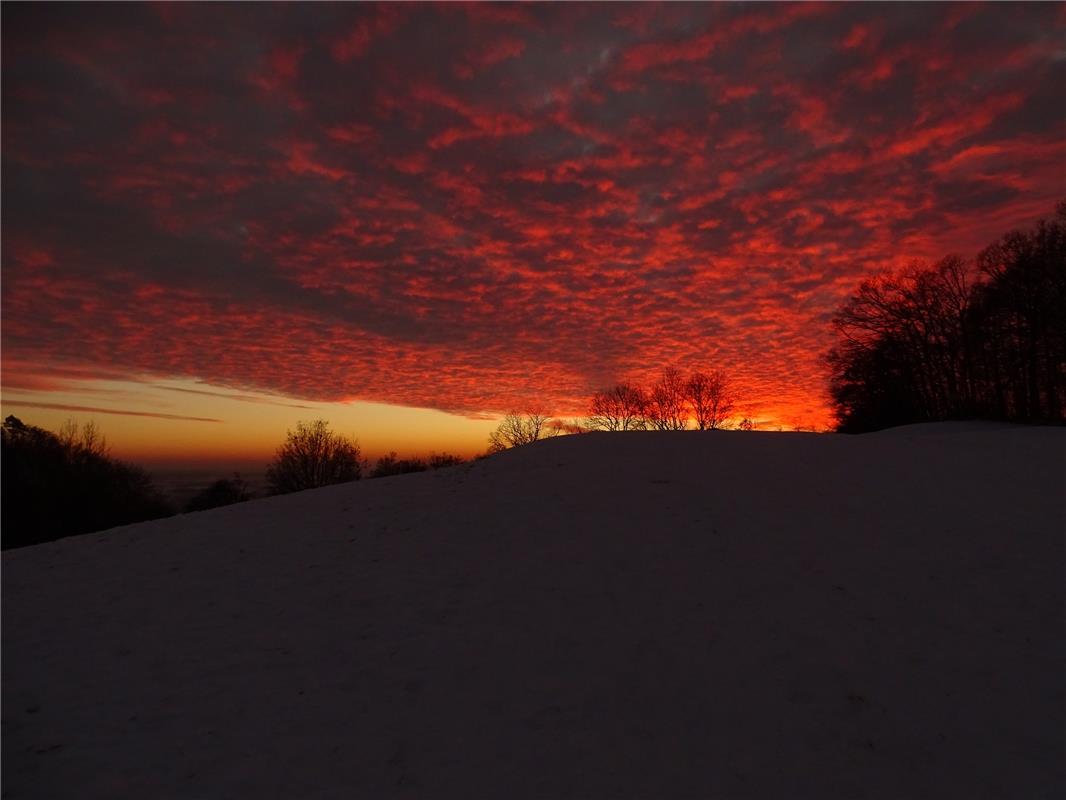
column 474, row 207
column 382, row 20
column 489, row 55
column 718, row 34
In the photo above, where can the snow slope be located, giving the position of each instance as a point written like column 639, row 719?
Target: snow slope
column 644, row 615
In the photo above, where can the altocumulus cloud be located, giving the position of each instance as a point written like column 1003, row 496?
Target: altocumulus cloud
column 465, row 206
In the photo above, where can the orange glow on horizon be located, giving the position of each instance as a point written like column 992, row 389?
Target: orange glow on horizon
column 184, row 422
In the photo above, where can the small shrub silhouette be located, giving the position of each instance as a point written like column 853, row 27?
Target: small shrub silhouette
column 223, row 492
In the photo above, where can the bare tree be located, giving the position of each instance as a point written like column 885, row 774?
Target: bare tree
column 666, row 402
column 710, row 398
column 958, row 338
column 58, row 485
column 313, row 456
column 86, row 441
column 623, row 407
column 910, row 335
column 518, row 429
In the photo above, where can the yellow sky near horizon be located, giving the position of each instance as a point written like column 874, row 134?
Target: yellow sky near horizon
column 177, row 421
column 187, row 422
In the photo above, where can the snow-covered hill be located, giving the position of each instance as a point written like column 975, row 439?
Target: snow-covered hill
column 645, row 615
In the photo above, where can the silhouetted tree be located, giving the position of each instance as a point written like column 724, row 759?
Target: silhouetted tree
column 223, row 492
column 666, row 409
column 313, row 456
column 958, row 340
column 85, row 441
column 711, row 399
column 1021, row 312
column 622, row 407
column 871, row 386
column 59, row 485
column 518, row 429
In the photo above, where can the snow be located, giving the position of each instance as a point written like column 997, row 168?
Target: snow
column 645, row 615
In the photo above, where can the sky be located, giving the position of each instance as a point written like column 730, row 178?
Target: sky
column 219, row 219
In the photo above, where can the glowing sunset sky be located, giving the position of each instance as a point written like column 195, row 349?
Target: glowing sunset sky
column 408, row 218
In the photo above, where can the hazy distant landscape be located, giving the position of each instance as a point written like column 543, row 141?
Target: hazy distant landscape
column 180, row 483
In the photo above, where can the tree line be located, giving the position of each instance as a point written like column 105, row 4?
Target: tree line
column 960, row 339
column 68, row 483
column 704, row 401
column 313, row 456
column 61, row 484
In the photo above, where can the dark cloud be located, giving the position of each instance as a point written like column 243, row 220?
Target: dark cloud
column 244, row 398
column 99, row 410
column 467, row 206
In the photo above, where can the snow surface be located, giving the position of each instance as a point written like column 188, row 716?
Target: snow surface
column 645, row 615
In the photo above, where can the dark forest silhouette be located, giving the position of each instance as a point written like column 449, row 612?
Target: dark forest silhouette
column 67, row 483
column 57, row 485
column 959, row 339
